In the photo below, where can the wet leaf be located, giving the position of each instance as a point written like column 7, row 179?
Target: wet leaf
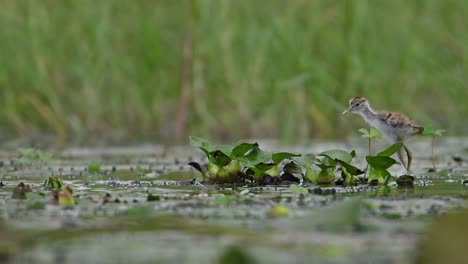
column 391, row 150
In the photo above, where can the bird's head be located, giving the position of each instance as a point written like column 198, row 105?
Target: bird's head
column 357, row 105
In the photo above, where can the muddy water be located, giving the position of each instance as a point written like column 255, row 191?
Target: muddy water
column 145, row 207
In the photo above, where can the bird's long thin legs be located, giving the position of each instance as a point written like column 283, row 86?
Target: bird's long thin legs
column 409, row 155
column 400, row 156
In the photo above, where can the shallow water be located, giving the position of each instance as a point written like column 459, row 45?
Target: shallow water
column 188, row 222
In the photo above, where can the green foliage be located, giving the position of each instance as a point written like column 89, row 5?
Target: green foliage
column 53, row 183
column 380, row 163
column 371, row 133
column 246, row 161
column 307, row 56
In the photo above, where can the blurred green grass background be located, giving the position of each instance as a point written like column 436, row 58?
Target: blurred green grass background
column 121, row 70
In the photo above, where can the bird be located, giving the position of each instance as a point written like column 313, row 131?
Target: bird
column 394, row 126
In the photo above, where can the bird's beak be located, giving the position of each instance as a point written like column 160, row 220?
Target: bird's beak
column 345, row 111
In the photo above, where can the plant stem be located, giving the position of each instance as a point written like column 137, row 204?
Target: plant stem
column 433, row 158
column 369, row 146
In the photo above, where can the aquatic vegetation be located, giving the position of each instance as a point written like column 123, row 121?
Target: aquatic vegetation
column 370, row 134
column 53, row 183
column 231, row 164
column 247, row 162
column 380, row 163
